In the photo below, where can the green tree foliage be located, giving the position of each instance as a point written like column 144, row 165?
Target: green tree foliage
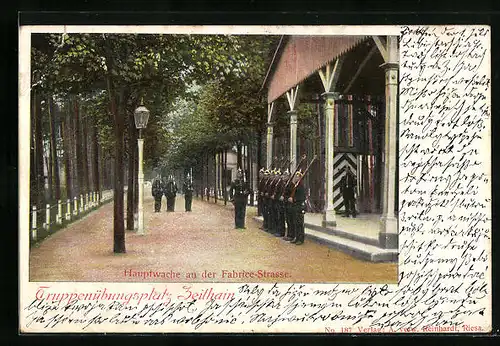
column 229, row 107
column 110, row 73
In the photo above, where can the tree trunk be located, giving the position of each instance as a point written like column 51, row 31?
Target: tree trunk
column 202, row 172
column 118, row 106
column 259, row 165
column 53, row 147
column 33, row 166
column 238, row 157
column 208, row 173
column 74, row 172
column 40, row 179
column 215, row 176
column 131, row 171
column 67, row 156
column 250, row 172
column 105, row 168
column 86, row 170
column 118, row 175
column 224, row 179
column 48, row 164
column 79, row 149
column 95, row 166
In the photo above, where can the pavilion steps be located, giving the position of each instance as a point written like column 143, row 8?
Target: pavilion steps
column 358, row 246
column 343, row 234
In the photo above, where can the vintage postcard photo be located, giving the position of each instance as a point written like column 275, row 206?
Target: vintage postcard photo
column 291, row 179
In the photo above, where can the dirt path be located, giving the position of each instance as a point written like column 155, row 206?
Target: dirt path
column 204, row 239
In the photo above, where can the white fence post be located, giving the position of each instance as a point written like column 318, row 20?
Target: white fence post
column 33, row 224
column 47, row 216
column 81, row 203
column 75, row 205
column 68, row 210
column 59, row 212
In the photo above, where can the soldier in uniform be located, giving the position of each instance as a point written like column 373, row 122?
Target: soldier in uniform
column 296, row 201
column 264, row 199
column 157, row 192
column 170, row 193
column 260, row 197
column 271, row 215
column 238, row 195
column 290, row 228
column 348, row 188
column 187, row 188
column 279, row 199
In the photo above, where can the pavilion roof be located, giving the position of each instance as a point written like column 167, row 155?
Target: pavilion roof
column 298, row 57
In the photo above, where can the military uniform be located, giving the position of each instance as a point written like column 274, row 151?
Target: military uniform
column 239, row 194
column 157, row 192
column 347, row 188
column 290, row 227
column 261, row 200
column 187, row 188
column 297, row 211
column 171, row 193
column 280, row 208
column 266, row 201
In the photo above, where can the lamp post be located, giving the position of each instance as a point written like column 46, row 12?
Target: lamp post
column 141, row 116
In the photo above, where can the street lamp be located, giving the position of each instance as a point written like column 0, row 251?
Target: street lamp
column 141, row 116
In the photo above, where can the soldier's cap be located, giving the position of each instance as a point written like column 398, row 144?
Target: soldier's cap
column 278, row 171
column 299, row 173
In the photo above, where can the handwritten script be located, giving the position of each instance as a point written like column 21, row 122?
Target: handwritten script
column 444, row 223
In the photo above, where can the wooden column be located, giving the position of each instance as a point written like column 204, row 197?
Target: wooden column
column 329, row 78
column 388, row 235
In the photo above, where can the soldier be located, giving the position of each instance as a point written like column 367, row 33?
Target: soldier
column 170, row 193
column 238, row 195
column 269, row 202
column 290, row 228
column 187, row 188
column 260, row 197
column 348, row 188
column 296, row 201
column 157, row 192
column 264, row 201
column 279, row 199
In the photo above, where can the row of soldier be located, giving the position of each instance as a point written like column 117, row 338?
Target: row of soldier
column 168, row 187
column 282, row 199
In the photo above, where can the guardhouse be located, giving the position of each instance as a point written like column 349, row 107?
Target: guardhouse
column 353, row 80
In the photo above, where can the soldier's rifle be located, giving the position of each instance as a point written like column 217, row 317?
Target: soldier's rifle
column 277, row 178
column 270, row 182
column 292, row 194
column 271, row 179
column 279, row 182
column 273, row 162
column 267, row 169
column 286, row 164
column 296, row 170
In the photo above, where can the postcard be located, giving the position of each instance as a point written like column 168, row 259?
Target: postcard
column 255, row 179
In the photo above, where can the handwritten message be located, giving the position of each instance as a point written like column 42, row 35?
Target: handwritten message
column 444, row 282
column 444, row 174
